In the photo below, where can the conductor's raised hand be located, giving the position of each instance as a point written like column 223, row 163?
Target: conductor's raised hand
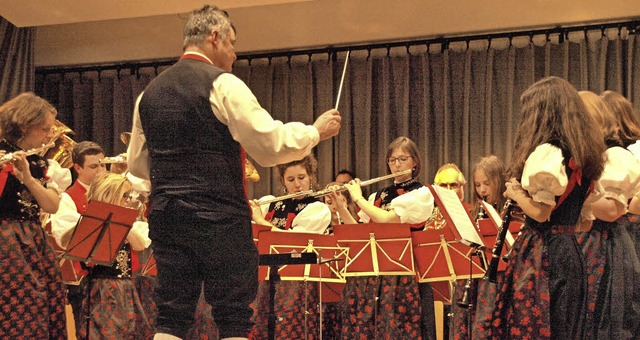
column 328, row 124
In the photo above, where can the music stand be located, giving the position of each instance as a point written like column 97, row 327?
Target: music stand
column 376, row 249
column 149, row 267
column 446, row 254
column 282, row 252
column 256, row 229
column 71, row 275
column 99, row 234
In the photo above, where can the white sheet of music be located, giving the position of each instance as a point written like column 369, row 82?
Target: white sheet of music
column 495, row 217
column 458, row 215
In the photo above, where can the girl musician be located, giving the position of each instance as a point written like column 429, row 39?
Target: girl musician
column 114, row 304
column 336, row 200
column 558, row 154
column 489, row 178
column 390, row 306
column 612, row 265
column 31, row 290
column 468, row 321
column 301, row 214
column 629, row 123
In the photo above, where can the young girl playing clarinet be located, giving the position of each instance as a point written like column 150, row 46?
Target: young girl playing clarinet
column 558, row 155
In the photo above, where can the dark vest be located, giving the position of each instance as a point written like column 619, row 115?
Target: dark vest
column 16, row 201
column 196, row 165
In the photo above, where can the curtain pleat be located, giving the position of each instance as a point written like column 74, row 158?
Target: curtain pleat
column 457, row 103
column 17, row 69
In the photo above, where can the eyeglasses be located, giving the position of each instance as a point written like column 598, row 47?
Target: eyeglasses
column 402, row 159
column 450, row 186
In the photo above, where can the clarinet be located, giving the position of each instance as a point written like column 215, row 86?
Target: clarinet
column 491, row 274
column 465, row 302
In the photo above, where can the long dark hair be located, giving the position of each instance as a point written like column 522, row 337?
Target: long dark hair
column 552, row 112
column 628, row 121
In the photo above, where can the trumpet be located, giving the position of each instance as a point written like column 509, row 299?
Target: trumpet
column 113, row 160
column 8, row 158
column 328, row 191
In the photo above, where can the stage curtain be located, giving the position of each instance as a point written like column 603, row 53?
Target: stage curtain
column 457, row 102
column 17, row 70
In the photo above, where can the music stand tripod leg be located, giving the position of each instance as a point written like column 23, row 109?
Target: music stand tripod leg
column 274, row 277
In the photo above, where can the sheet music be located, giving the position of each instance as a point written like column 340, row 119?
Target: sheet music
column 495, row 217
column 458, row 215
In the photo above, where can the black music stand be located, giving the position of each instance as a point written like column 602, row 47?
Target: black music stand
column 273, row 261
column 282, row 249
column 99, row 234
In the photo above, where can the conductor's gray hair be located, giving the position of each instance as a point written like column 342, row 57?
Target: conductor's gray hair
column 202, row 22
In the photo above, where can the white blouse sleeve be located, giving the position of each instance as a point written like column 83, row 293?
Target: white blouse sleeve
column 265, row 207
column 268, row 141
column 138, row 161
column 58, row 178
column 415, row 206
column 64, row 220
column 140, row 231
column 314, row 219
column 544, row 175
column 635, row 149
column 364, row 218
column 621, row 175
column 586, row 214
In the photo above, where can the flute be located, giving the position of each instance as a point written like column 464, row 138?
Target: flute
column 8, row 158
column 325, row 192
column 113, row 160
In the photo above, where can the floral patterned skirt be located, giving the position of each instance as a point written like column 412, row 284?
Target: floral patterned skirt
column 613, row 281
column 295, row 308
column 383, row 307
column 32, row 296
column 542, row 295
column 116, row 311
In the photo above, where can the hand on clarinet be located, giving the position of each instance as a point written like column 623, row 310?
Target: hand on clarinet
column 328, row 124
column 514, row 190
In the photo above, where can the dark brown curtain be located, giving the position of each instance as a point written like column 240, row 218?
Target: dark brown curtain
column 457, row 102
column 17, row 70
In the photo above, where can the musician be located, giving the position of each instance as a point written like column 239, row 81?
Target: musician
column 300, row 214
column 195, row 120
column 86, row 158
column 449, row 176
column 31, row 291
column 113, row 305
column 610, row 254
column 542, row 294
column 629, row 133
column 344, row 176
column 397, row 299
column 489, row 177
column 339, row 203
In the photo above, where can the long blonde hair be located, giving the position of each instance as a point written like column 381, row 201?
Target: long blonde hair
column 112, row 188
